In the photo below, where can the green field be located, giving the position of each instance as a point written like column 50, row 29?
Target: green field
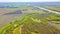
column 23, row 6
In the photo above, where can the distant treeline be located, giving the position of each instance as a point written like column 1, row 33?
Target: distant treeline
column 16, row 4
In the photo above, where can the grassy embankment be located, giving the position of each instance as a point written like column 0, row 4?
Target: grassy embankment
column 53, row 8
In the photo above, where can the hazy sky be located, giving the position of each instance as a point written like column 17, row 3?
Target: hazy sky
column 29, row 0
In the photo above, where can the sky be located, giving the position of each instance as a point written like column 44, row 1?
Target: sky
column 29, row 0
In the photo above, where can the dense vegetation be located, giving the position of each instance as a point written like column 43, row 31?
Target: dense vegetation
column 32, row 24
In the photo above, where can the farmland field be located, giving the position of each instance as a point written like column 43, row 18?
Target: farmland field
column 29, row 18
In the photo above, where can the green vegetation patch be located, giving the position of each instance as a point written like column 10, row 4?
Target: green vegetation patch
column 30, row 26
column 8, row 8
column 23, row 6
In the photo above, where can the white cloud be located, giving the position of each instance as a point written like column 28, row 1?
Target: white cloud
column 29, row 0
